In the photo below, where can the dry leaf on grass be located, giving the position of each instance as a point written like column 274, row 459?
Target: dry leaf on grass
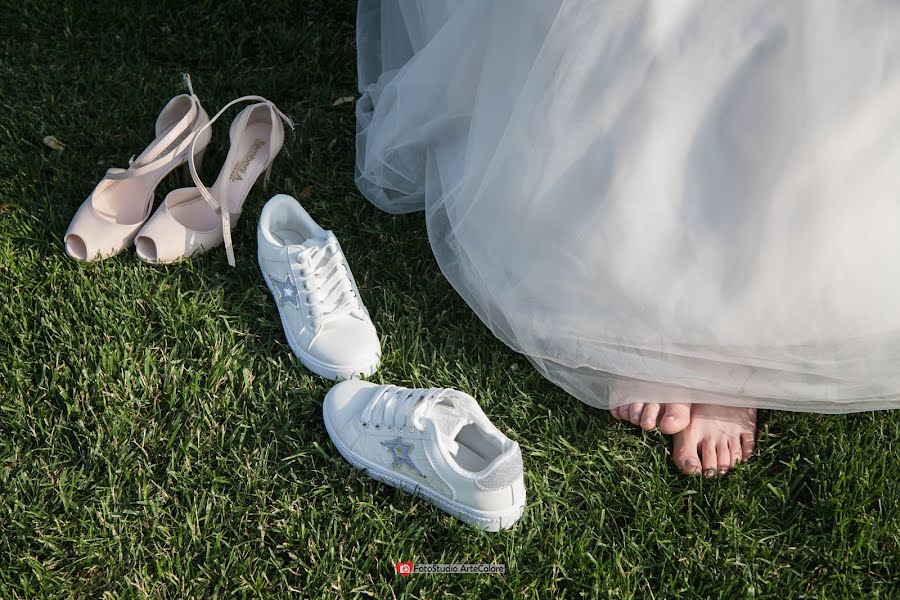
column 53, row 143
column 306, row 192
column 343, row 100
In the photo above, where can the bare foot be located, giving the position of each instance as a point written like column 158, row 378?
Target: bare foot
column 650, row 405
column 717, row 438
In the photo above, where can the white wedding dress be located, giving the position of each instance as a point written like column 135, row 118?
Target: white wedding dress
column 697, row 193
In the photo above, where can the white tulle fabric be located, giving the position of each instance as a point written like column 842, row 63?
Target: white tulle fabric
column 694, row 193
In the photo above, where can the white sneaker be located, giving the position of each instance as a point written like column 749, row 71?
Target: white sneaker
column 436, row 443
column 324, row 319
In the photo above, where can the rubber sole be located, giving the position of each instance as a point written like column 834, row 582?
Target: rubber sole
column 328, row 371
column 485, row 520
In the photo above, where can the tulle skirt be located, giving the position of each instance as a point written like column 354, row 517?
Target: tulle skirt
column 699, row 194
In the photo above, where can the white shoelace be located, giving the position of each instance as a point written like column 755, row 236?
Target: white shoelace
column 397, row 407
column 331, row 293
column 225, row 214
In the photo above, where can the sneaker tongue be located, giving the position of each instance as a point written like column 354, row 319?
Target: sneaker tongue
column 448, row 420
column 317, row 242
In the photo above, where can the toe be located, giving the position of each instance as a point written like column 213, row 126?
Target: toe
column 648, row 417
column 616, row 413
column 634, row 412
column 684, row 453
column 723, row 455
column 747, row 445
column 734, row 446
column 708, row 459
column 676, row 417
column 738, row 451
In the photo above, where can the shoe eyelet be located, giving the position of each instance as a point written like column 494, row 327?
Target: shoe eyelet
column 390, row 426
column 378, row 427
column 364, row 424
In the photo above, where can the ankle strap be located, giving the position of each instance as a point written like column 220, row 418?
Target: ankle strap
column 226, row 217
column 183, row 127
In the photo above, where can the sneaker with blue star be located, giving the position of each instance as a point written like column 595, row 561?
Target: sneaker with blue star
column 325, row 322
column 434, row 443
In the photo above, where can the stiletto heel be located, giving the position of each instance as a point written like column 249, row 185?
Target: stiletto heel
column 193, row 220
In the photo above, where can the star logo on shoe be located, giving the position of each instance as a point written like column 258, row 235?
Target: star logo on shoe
column 287, row 292
column 400, row 453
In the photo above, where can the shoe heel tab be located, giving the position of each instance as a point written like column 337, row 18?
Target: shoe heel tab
column 276, row 204
column 507, row 468
column 277, row 201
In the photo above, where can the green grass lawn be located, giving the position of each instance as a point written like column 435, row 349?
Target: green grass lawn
column 158, row 439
